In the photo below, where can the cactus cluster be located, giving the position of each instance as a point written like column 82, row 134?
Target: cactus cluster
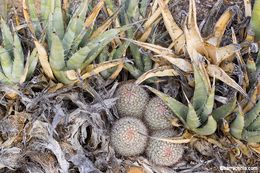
column 129, row 135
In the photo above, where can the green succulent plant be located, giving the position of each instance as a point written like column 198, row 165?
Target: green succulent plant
column 15, row 66
column 199, row 116
column 255, row 18
column 130, row 12
column 256, row 24
column 164, row 153
column 132, row 100
column 129, row 136
column 247, row 126
column 71, row 45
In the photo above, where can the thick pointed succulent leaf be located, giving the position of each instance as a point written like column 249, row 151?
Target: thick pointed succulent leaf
column 135, row 72
column 258, row 62
column 83, row 37
column 6, row 62
column 207, row 129
column 179, row 109
column 237, row 126
column 58, row 25
column 167, row 54
column 70, row 35
column 4, row 79
column 201, row 90
column 7, row 37
column 144, row 7
column 82, row 10
column 32, row 61
column 208, row 107
column 30, row 66
column 34, row 18
column 47, row 7
column 56, row 58
column 192, row 120
column 75, row 26
column 18, row 62
column 97, row 45
column 132, row 8
column 252, row 114
column 135, row 51
column 255, row 18
column 251, row 136
column 255, row 125
column 49, row 29
column 62, row 77
column 76, row 60
column 224, row 110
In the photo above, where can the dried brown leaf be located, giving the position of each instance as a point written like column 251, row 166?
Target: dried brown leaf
column 43, row 58
column 173, row 29
column 157, row 72
column 215, row 71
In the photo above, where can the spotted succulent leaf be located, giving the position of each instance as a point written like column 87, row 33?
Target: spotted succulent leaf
column 224, row 110
column 56, row 58
column 237, row 126
column 193, row 120
column 18, row 61
column 47, row 7
column 208, row 107
column 7, row 37
column 6, row 62
column 32, row 61
column 201, row 90
column 251, row 136
column 252, row 115
column 58, row 25
column 75, row 26
column 13, row 70
column 209, row 127
column 255, row 125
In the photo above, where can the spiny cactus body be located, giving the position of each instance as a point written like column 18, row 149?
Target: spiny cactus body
column 132, row 100
column 161, row 152
column 157, row 114
column 129, row 136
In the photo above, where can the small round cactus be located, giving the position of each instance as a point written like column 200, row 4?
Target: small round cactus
column 164, row 153
column 157, row 115
column 132, row 100
column 129, row 136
